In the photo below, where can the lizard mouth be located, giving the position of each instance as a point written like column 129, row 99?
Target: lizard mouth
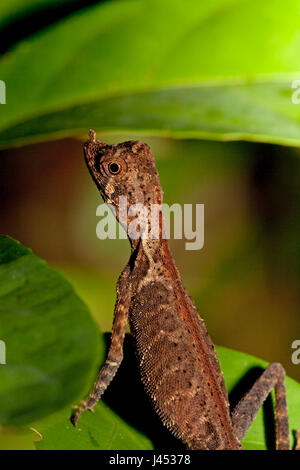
column 93, row 149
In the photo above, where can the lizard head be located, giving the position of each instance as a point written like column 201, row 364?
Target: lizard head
column 126, row 169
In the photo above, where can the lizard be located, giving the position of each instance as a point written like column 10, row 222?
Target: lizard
column 177, row 359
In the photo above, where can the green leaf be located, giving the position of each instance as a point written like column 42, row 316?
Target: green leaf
column 235, row 366
column 105, row 430
column 52, row 344
column 220, row 70
column 101, row 430
column 198, row 112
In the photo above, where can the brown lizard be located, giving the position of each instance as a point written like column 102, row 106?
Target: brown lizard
column 177, row 359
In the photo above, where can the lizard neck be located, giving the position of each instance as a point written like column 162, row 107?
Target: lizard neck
column 153, row 241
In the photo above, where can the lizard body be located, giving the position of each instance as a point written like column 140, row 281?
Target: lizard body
column 177, row 359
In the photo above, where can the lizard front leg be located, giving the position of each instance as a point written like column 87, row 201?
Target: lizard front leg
column 115, row 353
column 246, row 410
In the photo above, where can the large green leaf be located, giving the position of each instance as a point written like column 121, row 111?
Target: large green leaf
column 104, row 430
column 205, row 112
column 52, row 344
column 221, row 69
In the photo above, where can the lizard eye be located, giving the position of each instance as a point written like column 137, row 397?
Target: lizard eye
column 114, row 168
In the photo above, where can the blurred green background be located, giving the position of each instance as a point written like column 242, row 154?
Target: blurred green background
column 245, row 281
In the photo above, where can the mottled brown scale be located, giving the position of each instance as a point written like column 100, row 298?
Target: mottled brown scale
column 177, row 360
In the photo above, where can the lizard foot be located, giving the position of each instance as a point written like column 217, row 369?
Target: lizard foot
column 80, row 409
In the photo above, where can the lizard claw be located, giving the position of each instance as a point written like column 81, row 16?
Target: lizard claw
column 297, row 446
column 80, row 409
column 74, row 418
